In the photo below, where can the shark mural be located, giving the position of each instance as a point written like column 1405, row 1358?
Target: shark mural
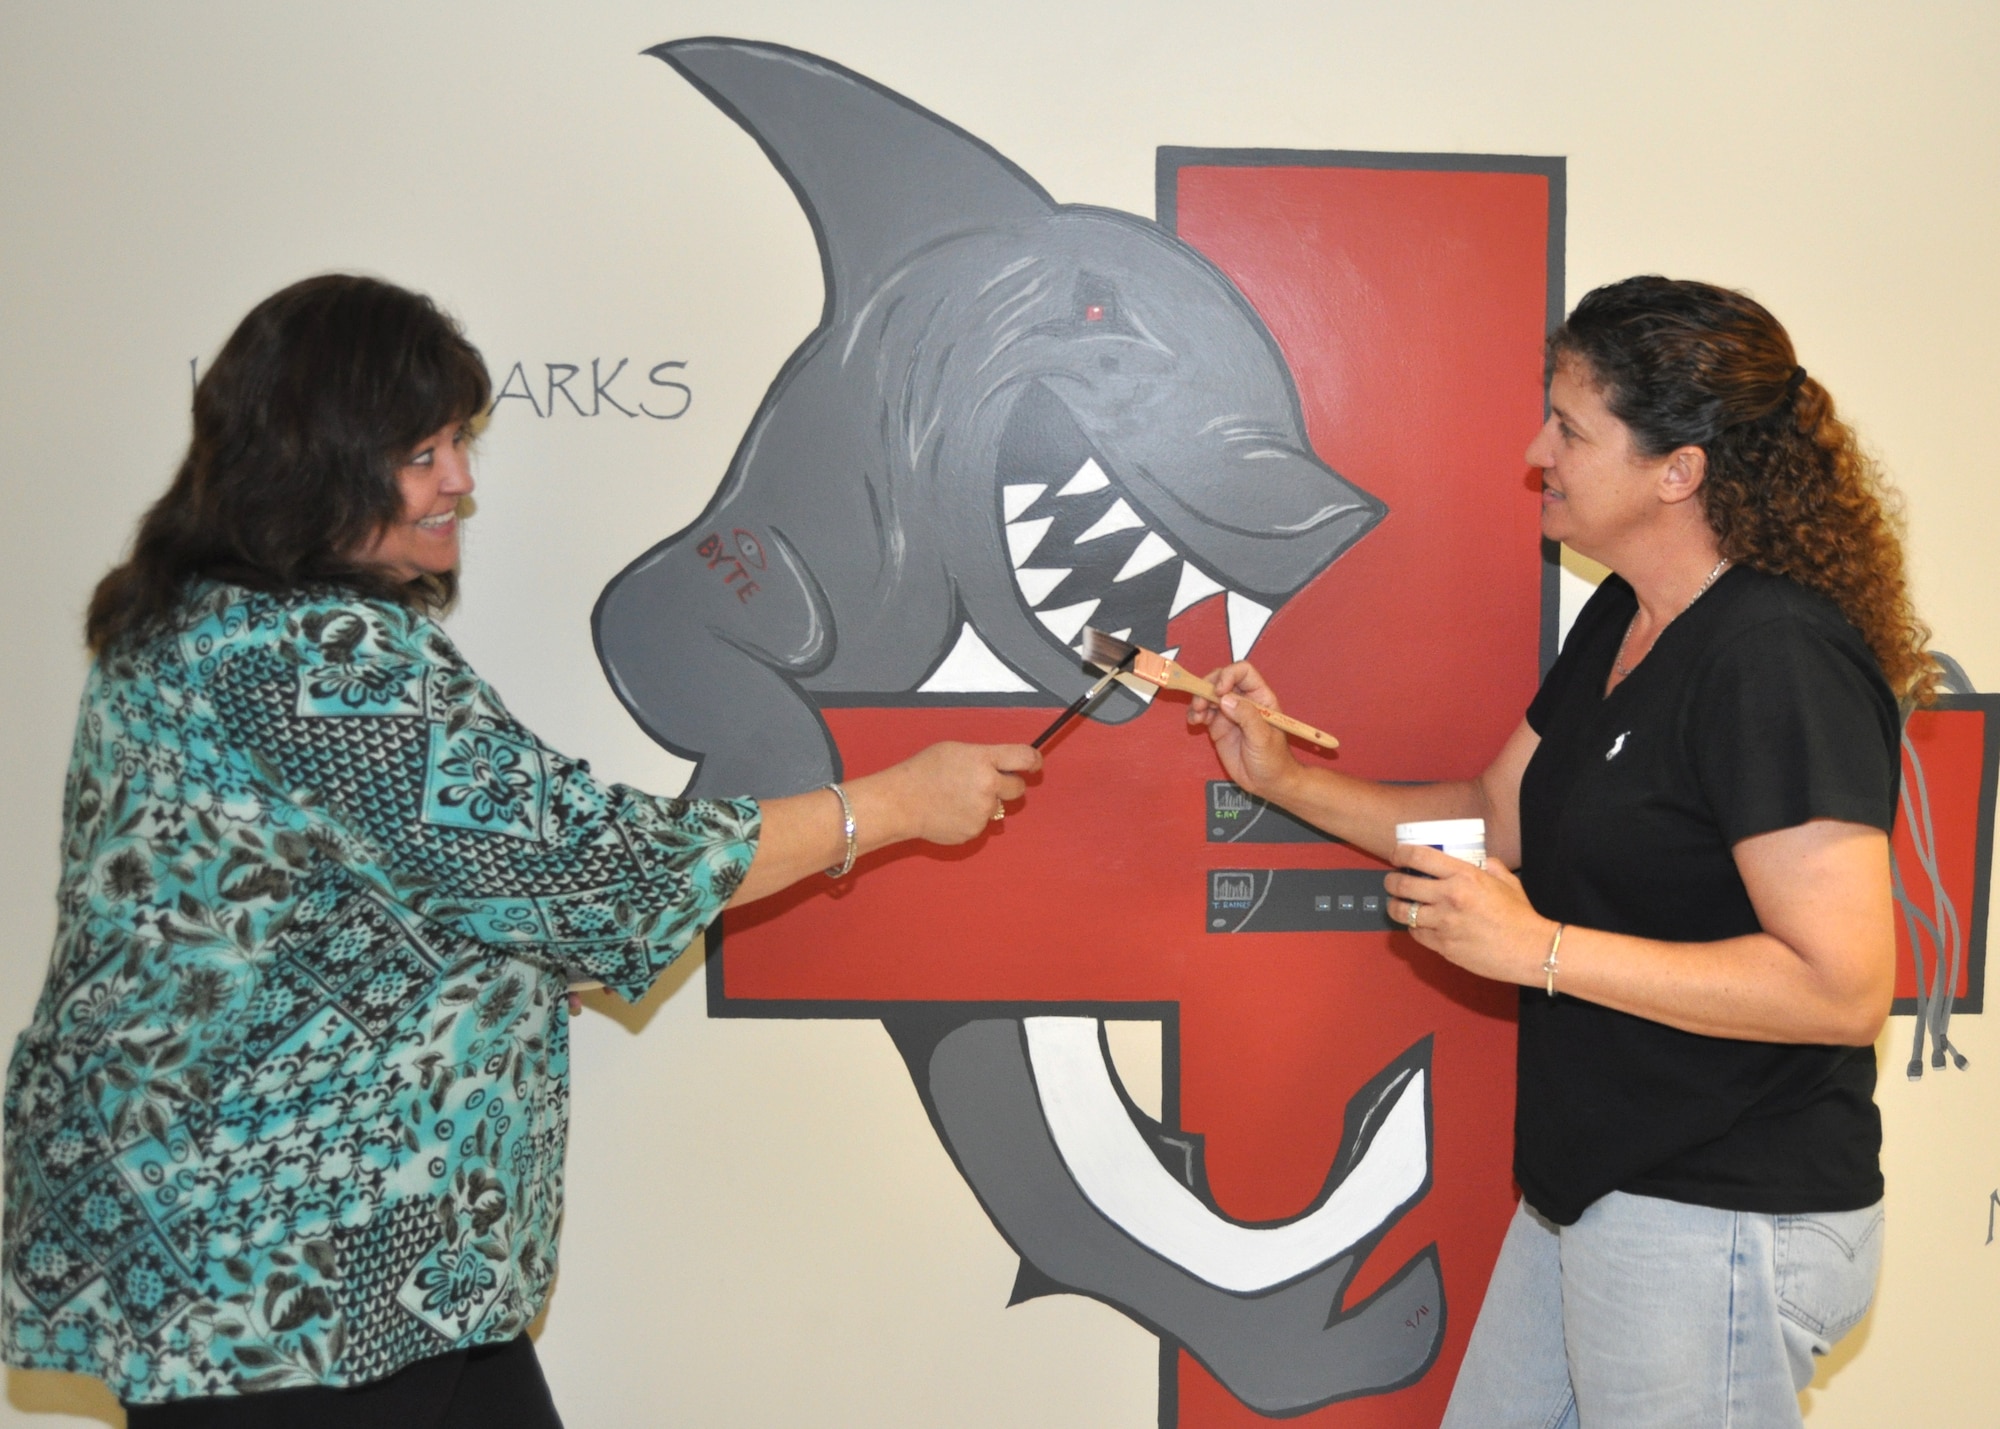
column 1016, row 417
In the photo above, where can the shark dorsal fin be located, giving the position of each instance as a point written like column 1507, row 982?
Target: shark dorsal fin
column 880, row 177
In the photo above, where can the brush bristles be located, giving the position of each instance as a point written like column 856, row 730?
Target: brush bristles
column 1105, row 651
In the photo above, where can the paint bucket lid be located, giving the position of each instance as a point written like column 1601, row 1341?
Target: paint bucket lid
column 1461, row 838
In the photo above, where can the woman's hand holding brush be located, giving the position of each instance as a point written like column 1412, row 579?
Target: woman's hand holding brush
column 1254, row 753
column 1114, row 655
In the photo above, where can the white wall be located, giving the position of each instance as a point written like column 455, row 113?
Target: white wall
column 762, row 1227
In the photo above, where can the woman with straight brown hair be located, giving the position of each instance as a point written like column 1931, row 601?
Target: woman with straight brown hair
column 285, row 1135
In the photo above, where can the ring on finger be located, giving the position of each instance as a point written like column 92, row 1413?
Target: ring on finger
column 1414, row 908
column 999, row 812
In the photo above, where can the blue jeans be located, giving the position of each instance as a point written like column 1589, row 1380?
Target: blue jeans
column 1647, row 1314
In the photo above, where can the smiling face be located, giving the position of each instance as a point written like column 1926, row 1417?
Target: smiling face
column 423, row 539
column 1598, row 490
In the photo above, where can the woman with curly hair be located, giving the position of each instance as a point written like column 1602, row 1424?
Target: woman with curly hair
column 285, row 1134
column 1698, row 803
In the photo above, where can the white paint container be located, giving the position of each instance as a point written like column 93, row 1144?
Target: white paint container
column 1461, row 838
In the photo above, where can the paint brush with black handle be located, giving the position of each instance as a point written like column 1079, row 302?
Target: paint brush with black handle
column 1156, row 669
column 1082, row 704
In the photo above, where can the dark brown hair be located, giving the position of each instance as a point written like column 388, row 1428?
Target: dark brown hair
column 1788, row 489
column 300, row 425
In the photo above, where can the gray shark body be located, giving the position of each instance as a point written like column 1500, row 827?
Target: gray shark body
column 1015, row 416
column 979, row 341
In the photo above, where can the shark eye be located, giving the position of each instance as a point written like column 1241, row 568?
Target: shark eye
column 1096, row 303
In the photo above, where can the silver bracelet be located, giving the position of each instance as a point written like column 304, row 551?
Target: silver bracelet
column 1549, row 963
column 847, row 828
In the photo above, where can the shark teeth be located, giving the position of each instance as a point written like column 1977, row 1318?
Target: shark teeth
column 1024, row 536
column 1037, row 518
column 1246, row 623
column 1089, row 477
column 972, row 668
column 1016, row 499
column 1038, row 584
column 1195, row 587
column 1150, row 552
column 1119, row 518
column 1067, row 623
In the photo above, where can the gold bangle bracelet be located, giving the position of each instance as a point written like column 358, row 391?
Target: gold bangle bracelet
column 1549, row 963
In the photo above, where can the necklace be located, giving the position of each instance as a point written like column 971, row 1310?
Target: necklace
column 1618, row 665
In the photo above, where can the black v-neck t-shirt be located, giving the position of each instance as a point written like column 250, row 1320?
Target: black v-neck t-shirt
column 1759, row 708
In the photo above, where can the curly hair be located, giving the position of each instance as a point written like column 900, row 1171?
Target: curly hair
column 300, row 425
column 1788, row 490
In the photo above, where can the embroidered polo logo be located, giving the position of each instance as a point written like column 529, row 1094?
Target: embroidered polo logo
column 1616, row 745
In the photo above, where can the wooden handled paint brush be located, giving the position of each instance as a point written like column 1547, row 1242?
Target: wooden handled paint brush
column 1109, row 651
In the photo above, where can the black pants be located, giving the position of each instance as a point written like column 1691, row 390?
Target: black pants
column 495, row 1385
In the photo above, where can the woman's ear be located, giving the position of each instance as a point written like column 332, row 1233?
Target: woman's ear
column 1685, row 470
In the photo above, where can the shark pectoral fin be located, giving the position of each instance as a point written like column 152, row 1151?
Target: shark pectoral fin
column 706, row 633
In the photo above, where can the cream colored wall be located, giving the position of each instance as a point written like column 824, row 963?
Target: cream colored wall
column 762, row 1227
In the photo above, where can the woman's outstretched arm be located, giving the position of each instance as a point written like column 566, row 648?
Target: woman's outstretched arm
column 1360, row 811
column 946, row 794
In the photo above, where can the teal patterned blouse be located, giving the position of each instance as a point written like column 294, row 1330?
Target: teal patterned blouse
column 293, row 1104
